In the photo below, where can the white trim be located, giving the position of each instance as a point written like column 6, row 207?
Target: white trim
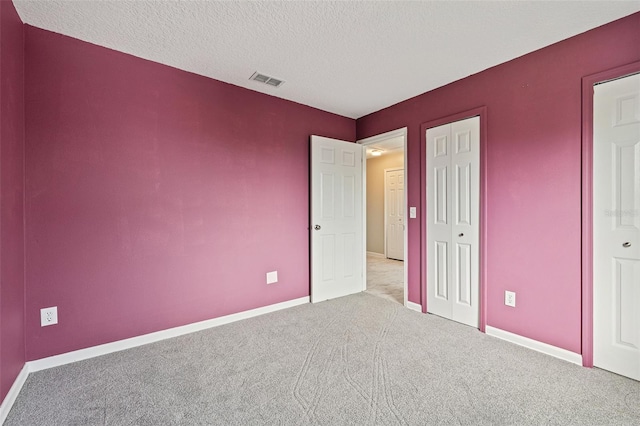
column 384, row 136
column 15, row 389
column 368, row 141
column 413, row 306
column 374, row 254
column 120, row 345
column 545, row 348
column 364, row 219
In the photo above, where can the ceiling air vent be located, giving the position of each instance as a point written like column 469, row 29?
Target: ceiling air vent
column 266, row 79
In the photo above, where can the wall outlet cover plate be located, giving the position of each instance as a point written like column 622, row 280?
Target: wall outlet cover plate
column 510, row 298
column 48, row 316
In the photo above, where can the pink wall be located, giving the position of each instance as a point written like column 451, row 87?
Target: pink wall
column 12, row 350
column 533, row 175
column 156, row 197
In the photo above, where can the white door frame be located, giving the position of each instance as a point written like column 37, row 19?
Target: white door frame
column 587, row 200
column 402, row 132
column 392, row 169
column 482, row 247
column 448, row 161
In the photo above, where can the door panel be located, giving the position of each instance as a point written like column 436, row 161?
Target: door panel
column 627, row 275
column 453, row 198
column 463, row 188
column 348, row 196
column 465, row 231
column 463, row 274
column 438, row 221
column 327, row 197
column 442, row 270
column 441, row 195
column 627, row 158
column 336, row 211
column 327, row 242
column 616, row 226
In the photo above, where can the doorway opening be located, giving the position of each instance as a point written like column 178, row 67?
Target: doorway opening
column 385, row 207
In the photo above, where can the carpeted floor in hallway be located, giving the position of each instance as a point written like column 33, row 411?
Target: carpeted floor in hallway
column 385, row 278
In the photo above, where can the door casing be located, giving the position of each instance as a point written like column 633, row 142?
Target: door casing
column 370, row 141
column 482, row 246
column 443, row 198
column 587, row 200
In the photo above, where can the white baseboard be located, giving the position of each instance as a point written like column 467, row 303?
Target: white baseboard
column 6, row 405
column 374, row 254
column 120, row 345
column 535, row 345
column 414, row 306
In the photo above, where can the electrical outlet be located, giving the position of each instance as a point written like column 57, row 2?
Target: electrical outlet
column 510, row 298
column 48, row 316
column 272, row 277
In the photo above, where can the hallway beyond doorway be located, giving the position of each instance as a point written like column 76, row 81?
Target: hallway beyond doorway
column 385, row 278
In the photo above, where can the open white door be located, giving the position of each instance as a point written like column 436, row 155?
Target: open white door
column 616, row 226
column 337, row 260
column 453, row 225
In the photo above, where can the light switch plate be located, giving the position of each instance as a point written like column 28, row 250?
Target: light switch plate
column 272, row 277
column 413, row 212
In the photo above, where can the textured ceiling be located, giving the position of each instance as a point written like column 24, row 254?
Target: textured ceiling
column 386, row 146
column 350, row 58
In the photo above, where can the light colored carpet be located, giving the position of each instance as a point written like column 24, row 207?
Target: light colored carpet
column 385, row 278
column 354, row 360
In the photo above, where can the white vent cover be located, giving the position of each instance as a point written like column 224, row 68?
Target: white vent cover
column 275, row 82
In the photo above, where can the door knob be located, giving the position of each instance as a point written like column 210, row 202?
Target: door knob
column 317, row 227
column 626, row 245
column 461, row 235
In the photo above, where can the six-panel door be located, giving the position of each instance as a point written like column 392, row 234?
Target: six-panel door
column 337, row 259
column 453, row 173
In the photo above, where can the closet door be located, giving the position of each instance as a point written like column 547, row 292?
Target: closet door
column 453, row 175
column 616, row 226
column 439, row 229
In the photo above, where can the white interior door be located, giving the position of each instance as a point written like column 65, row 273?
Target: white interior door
column 394, row 213
column 616, row 226
column 337, row 259
column 453, row 198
